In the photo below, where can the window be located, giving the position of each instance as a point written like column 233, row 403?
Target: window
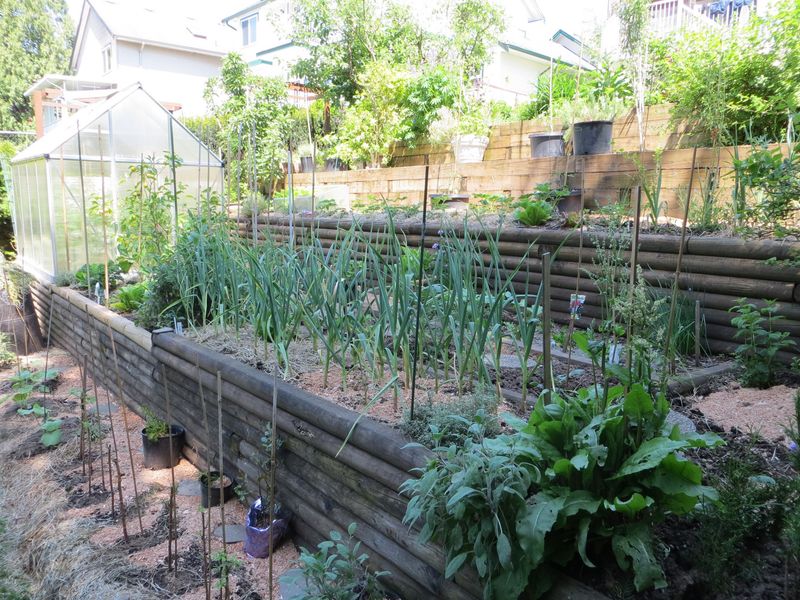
column 249, row 29
column 107, row 59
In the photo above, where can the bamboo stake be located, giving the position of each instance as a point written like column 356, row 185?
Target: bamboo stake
column 82, row 368
column 206, row 581
column 47, row 350
column 121, row 502
column 172, row 512
column 97, row 414
column 208, row 460
column 546, row 358
column 634, row 262
column 697, row 333
column 103, row 216
column 221, row 456
column 419, row 295
column 124, row 409
column 273, row 440
column 110, row 478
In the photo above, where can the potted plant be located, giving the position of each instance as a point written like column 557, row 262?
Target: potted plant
column 157, row 437
column 215, row 486
column 472, row 133
column 592, row 123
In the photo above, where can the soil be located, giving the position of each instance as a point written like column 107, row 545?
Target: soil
column 145, row 550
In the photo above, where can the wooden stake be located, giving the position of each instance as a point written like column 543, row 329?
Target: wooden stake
column 697, row 333
column 82, row 368
column 123, row 407
column 208, row 454
column 121, row 501
column 273, row 445
column 221, row 456
column 206, row 580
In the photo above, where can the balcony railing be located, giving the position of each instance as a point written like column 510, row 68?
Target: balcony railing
column 667, row 16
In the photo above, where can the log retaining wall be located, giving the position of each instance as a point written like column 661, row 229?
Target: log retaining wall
column 327, row 486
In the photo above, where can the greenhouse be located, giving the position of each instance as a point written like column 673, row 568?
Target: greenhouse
column 70, row 186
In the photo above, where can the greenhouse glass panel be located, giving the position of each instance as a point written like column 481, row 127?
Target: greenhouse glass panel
column 71, row 187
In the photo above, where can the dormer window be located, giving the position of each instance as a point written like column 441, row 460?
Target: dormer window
column 107, row 59
column 249, row 29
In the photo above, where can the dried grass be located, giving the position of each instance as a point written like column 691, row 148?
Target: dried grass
column 54, row 553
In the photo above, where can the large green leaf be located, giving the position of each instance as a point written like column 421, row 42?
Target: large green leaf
column 638, row 405
column 579, row 500
column 649, row 455
column 537, row 520
column 633, row 548
column 636, row 503
column 455, row 564
column 583, row 536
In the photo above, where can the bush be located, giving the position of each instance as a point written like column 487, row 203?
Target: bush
column 583, row 476
column 337, row 571
column 733, row 83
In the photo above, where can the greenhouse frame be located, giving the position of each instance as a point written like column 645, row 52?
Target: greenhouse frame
column 85, row 166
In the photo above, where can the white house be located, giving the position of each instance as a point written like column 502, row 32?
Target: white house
column 526, row 49
column 170, row 47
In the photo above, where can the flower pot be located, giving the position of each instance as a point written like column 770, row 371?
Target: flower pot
column 306, row 164
column 469, row 148
column 334, row 164
column 592, row 137
column 257, row 538
column 570, row 204
column 157, row 453
column 211, row 496
column 547, row 144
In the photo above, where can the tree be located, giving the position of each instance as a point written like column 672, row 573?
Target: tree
column 476, row 26
column 37, row 39
column 253, row 117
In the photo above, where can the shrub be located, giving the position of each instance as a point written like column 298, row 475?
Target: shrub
column 338, row 572
column 757, row 355
column 752, row 508
column 586, row 473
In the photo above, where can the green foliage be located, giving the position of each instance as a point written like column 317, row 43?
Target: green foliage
column 775, row 180
column 26, row 382
column 731, row 83
column 154, row 428
column 38, row 38
column 130, row 297
column 145, row 229
column 254, row 118
column 88, row 276
column 12, row 586
column 584, row 474
column 757, row 354
column 752, row 508
column 377, row 117
column 476, row 25
column 51, row 428
column 534, row 212
column 445, row 423
column 338, row 571
column 434, row 89
column 7, row 354
column 223, row 564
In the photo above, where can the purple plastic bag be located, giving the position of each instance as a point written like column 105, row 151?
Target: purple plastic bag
column 256, row 540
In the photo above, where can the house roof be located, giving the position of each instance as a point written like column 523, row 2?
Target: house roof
column 177, row 24
column 546, row 50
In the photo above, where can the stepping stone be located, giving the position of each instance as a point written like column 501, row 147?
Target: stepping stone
column 684, row 423
column 92, row 408
column 508, row 362
column 189, row 487
column 292, row 584
column 233, row 533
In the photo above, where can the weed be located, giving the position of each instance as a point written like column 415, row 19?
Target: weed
column 757, row 355
column 793, row 433
column 446, row 423
column 223, row 564
column 338, row 571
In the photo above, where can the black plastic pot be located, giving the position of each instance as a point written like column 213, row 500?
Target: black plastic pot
column 592, row 137
column 211, row 496
column 157, row 453
column 334, row 164
column 306, row 164
column 547, row 144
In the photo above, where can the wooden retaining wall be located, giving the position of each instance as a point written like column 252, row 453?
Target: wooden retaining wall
column 510, row 140
column 715, row 271
column 604, row 178
column 327, row 489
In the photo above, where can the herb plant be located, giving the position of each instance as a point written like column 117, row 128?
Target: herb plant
column 757, row 354
column 585, row 474
column 154, row 428
column 129, row 298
